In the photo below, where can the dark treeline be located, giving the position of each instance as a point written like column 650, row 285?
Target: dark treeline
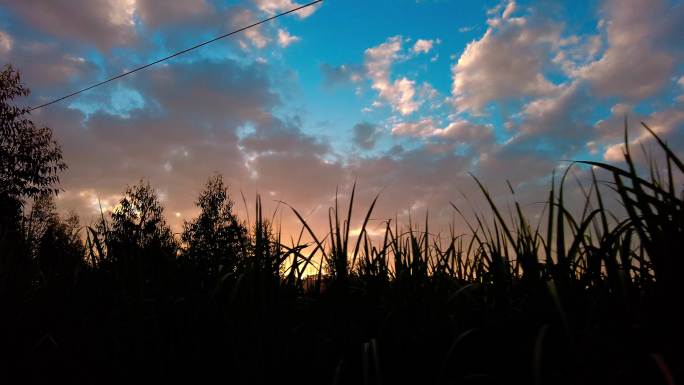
column 591, row 299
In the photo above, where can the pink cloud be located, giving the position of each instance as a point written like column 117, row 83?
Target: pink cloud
column 276, row 6
column 423, row 45
column 400, row 94
column 643, row 44
column 285, row 39
column 104, row 23
column 6, row 42
column 507, row 62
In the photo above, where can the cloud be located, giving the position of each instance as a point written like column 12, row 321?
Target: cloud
column 365, row 135
column 400, row 94
column 507, row 62
column 457, row 132
column 508, row 11
column 643, row 44
column 194, row 130
column 276, row 6
column 6, row 42
column 276, row 147
column 104, row 23
column 188, row 130
column 155, row 13
column 547, row 130
column 342, row 74
column 577, row 52
column 285, row 39
column 198, row 116
column 422, row 128
column 667, row 123
column 48, row 64
column 245, row 17
column 423, row 46
column 555, row 125
column 379, row 59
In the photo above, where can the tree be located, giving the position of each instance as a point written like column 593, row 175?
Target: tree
column 42, row 215
column 140, row 245
column 30, row 159
column 216, row 240
column 60, row 251
column 138, row 223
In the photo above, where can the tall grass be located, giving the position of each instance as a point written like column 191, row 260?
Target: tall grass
column 583, row 267
column 581, row 296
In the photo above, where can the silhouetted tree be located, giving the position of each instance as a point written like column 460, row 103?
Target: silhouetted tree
column 60, row 252
column 216, row 240
column 30, row 161
column 138, row 222
column 42, row 215
column 139, row 241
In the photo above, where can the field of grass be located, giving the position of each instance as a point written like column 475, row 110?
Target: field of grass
column 590, row 299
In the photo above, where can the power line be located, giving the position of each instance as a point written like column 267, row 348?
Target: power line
column 175, row 54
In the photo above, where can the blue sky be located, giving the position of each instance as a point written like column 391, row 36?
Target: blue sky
column 405, row 97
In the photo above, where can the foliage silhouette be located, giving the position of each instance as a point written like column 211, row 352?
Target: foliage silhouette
column 30, row 160
column 215, row 242
column 590, row 299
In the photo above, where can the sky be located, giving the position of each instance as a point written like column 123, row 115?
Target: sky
column 406, row 98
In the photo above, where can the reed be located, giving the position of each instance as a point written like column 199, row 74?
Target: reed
column 581, row 296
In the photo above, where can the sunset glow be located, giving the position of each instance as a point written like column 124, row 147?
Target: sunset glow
column 404, row 97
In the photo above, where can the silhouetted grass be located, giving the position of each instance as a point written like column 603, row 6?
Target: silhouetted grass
column 578, row 298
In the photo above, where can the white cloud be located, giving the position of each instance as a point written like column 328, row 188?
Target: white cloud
column 508, row 11
column 421, row 128
column 664, row 123
column 276, row 6
column 643, row 41
column 285, row 39
column 507, row 62
column 505, row 15
column 257, row 38
column 423, row 46
column 6, row 42
column 400, row 93
column 541, row 107
column 576, row 52
column 553, row 120
column 458, row 130
column 254, row 35
column 494, row 10
column 122, row 11
column 379, row 59
column 105, row 23
column 621, row 109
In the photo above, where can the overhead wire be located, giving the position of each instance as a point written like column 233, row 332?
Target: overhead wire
column 175, row 54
